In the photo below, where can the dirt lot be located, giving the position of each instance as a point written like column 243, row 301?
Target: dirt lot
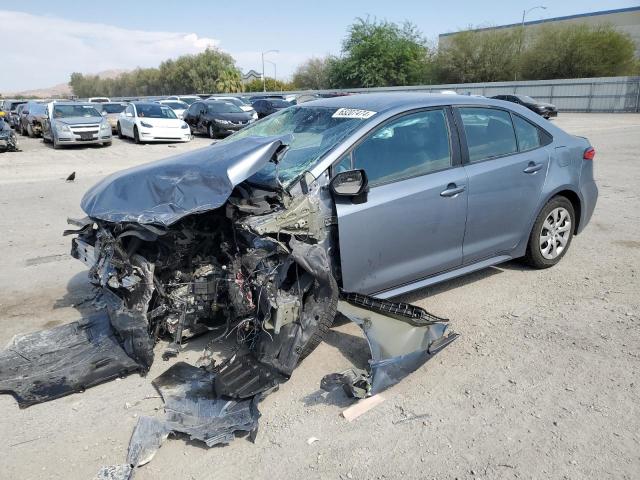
column 543, row 383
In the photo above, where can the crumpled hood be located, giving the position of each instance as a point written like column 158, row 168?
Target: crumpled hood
column 167, row 190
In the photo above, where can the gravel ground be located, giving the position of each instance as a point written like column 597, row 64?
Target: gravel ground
column 543, row 382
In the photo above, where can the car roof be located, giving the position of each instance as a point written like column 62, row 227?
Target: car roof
column 380, row 102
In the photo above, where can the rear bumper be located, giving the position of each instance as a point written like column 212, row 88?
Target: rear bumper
column 589, row 191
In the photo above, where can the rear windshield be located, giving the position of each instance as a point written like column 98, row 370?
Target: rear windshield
column 67, row 111
column 222, row 107
column 176, row 105
column 113, row 107
column 153, row 110
column 37, row 109
column 279, row 103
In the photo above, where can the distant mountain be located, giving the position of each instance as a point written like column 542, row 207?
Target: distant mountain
column 61, row 90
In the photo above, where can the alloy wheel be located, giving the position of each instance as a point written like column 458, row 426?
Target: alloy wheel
column 555, row 233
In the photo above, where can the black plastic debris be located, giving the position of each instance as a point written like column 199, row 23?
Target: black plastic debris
column 49, row 364
column 192, row 407
column 246, row 377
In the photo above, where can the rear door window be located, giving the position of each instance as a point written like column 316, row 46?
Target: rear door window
column 406, row 147
column 489, row 133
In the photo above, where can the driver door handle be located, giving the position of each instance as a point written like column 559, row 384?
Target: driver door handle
column 533, row 167
column 452, row 190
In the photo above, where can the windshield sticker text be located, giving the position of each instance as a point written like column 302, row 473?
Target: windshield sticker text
column 353, row 113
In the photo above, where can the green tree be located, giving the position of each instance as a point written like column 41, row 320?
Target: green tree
column 578, row 51
column 229, row 81
column 313, row 74
column 380, row 53
column 186, row 74
column 478, row 56
column 271, row 85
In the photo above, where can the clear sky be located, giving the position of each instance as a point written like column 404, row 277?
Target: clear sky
column 44, row 40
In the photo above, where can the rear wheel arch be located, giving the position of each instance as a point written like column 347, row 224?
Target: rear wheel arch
column 570, row 194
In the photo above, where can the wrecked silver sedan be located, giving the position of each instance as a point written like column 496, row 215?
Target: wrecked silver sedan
column 242, row 240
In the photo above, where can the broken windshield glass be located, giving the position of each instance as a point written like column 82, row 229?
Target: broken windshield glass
column 314, row 132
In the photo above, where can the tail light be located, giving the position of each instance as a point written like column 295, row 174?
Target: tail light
column 589, row 154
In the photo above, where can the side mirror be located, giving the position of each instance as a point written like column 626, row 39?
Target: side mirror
column 103, row 113
column 128, row 114
column 351, row 184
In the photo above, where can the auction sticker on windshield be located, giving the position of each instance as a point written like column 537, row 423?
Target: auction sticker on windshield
column 353, row 113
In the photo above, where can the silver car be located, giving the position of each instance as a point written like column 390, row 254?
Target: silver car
column 74, row 123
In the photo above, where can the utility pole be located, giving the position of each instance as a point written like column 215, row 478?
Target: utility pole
column 264, row 81
column 524, row 14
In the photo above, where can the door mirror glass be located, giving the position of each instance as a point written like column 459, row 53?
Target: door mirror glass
column 352, row 183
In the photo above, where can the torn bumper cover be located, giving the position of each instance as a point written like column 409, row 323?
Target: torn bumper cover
column 401, row 337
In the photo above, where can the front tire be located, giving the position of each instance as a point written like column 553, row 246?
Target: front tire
column 120, row 135
column 30, row 131
column 136, row 135
column 552, row 233
column 54, row 142
column 210, row 132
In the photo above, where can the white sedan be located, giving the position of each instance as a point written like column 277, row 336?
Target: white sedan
column 176, row 105
column 152, row 122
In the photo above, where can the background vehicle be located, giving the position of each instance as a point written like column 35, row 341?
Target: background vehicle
column 188, row 99
column 238, row 102
column 216, row 118
column 178, row 106
column 99, row 100
column 9, row 105
column 31, row 118
column 21, row 110
column 152, row 122
column 74, row 123
column 10, row 109
column 267, row 106
column 8, row 140
column 546, row 110
column 111, row 111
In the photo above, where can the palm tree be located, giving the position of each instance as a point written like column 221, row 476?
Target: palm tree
column 229, row 81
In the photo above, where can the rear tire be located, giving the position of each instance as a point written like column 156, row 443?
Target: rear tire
column 551, row 234
column 106, row 144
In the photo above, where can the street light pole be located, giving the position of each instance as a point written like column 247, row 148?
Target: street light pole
column 275, row 71
column 524, row 14
column 264, row 81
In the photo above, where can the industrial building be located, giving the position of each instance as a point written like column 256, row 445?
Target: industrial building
column 624, row 19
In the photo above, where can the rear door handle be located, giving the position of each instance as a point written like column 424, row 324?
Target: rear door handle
column 452, row 190
column 533, row 167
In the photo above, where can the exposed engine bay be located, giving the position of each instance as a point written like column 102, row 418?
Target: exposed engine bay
column 213, row 272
